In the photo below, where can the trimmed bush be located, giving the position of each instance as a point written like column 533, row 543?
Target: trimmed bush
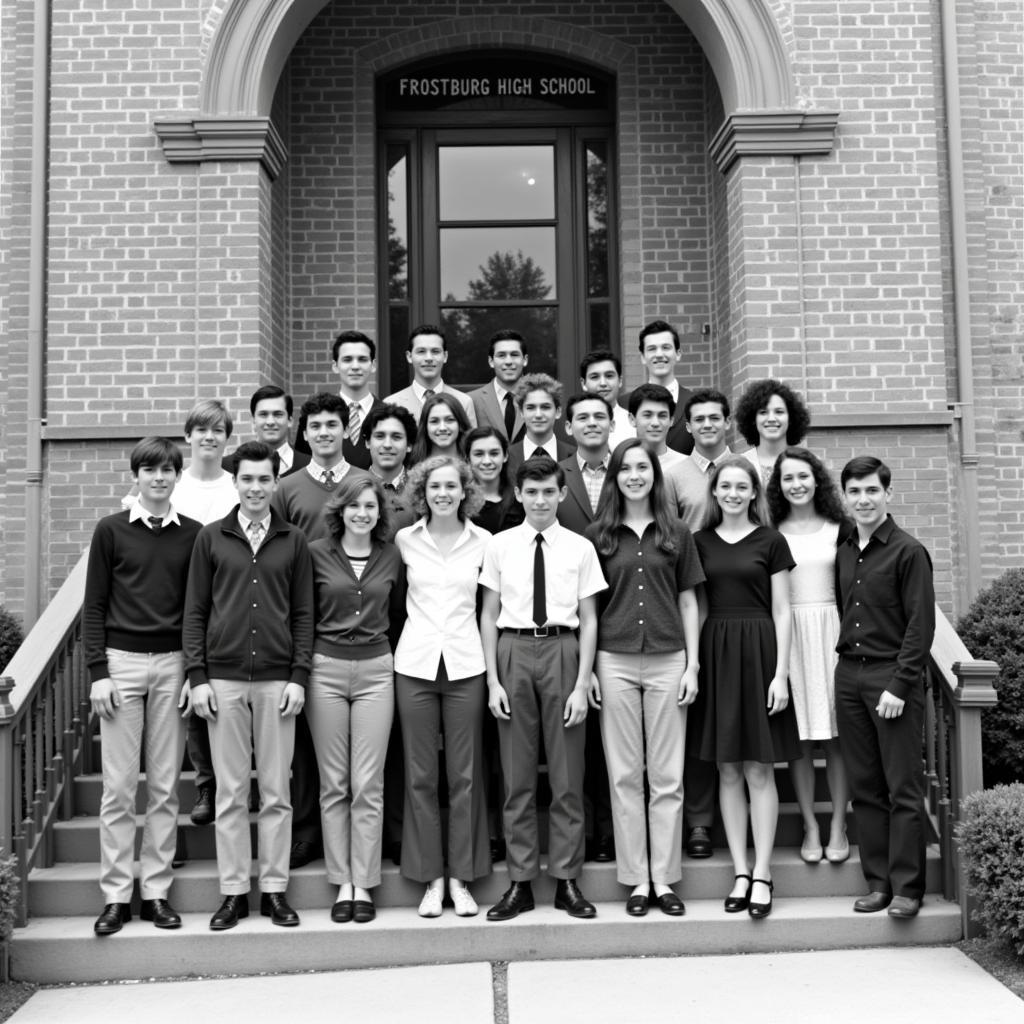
column 991, row 838
column 993, row 628
column 11, row 635
column 8, row 896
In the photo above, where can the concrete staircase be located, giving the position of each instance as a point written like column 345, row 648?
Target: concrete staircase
column 813, row 910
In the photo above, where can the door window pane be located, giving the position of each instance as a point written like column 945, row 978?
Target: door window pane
column 398, row 223
column 496, row 182
column 482, row 264
column 597, row 219
column 469, row 330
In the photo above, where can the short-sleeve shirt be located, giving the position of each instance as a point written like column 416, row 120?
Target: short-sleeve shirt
column 571, row 573
column 739, row 574
column 639, row 613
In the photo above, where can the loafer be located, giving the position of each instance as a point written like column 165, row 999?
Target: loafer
column 363, row 911
column 205, row 808
column 161, row 913
column 904, row 907
column 569, row 898
column 114, row 915
column 872, row 902
column 275, row 906
column 760, row 910
column 517, row 899
column 698, row 843
column 737, row 904
column 636, row 906
column 342, row 911
column 230, row 912
column 669, row 903
column 303, row 853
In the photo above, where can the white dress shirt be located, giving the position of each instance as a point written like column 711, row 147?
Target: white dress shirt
column 136, row 512
column 550, row 447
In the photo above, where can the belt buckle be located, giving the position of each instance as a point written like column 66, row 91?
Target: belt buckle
column 541, row 632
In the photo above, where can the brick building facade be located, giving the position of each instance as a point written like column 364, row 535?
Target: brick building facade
column 194, row 204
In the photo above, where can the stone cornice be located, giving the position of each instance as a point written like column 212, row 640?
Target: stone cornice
column 773, row 133
column 196, row 140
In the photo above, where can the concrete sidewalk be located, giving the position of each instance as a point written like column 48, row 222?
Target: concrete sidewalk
column 934, row 985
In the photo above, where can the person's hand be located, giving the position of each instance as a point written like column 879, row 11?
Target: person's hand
column 185, row 700
column 890, row 706
column 778, row 695
column 104, row 698
column 594, row 692
column 292, row 700
column 497, row 701
column 575, row 707
column 204, row 703
column 687, row 687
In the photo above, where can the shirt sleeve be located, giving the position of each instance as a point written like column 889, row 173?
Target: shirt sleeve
column 780, row 558
column 591, row 579
column 917, row 595
column 303, row 615
column 689, row 571
column 198, row 602
column 97, row 600
column 490, row 574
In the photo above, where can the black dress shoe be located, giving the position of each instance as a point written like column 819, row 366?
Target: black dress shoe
column 114, row 915
column 698, row 843
column 904, row 907
column 363, row 911
column 737, row 904
column 569, row 898
column 275, row 906
column 760, row 910
column 230, row 912
column 303, row 853
column 517, row 899
column 636, row 906
column 205, row 809
column 872, row 903
column 604, row 849
column 498, row 850
column 342, row 911
column 669, row 903
column 161, row 913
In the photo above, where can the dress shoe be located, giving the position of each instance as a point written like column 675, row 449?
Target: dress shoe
column 872, row 903
column 161, row 913
column 114, row 915
column 669, row 903
column 498, row 850
column 275, row 906
column 205, row 809
column 517, row 899
column 303, row 853
column 569, row 898
column 737, row 904
column 636, row 906
column 760, row 910
column 837, row 854
column 811, row 852
column 231, row 911
column 342, row 911
column 698, row 843
column 363, row 911
column 604, row 849
column 904, row 907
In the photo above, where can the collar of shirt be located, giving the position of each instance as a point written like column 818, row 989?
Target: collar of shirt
column 287, row 455
column 244, row 521
column 420, row 391
column 702, row 464
column 468, row 530
column 529, row 533
column 364, row 403
column 500, row 392
column 602, row 467
column 397, row 485
column 137, row 512
column 339, row 469
column 549, row 447
column 882, row 532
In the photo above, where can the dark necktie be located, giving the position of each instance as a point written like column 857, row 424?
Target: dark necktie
column 540, row 603
column 510, row 415
column 156, row 523
column 328, row 481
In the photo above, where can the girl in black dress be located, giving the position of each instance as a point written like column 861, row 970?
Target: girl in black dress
column 486, row 451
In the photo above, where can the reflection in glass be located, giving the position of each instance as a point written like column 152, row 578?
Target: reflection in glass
column 469, row 330
column 479, row 264
column 496, row 182
column 398, row 332
column 398, row 223
column 597, row 218
column 599, row 328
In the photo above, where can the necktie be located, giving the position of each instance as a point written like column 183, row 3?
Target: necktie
column 328, row 480
column 510, row 415
column 355, row 418
column 427, row 393
column 540, row 603
column 255, row 536
column 537, row 452
column 156, row 523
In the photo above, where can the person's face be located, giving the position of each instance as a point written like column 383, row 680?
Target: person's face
column 255, row 483
column 603, row 379
column 207, row 443
column 652, row 421
column 427, row 358
column 590, row 424
column 660, row 356
column 486, row 458
column 361, row 515
column 271, row 421
column 734, row 492
column 540, row 500
column 868, row 501
column 325, row 434
column 508, row 362
column 388, row 444
column 442, row 427
column 354, row 366
column 539, row 413
column 772, row 421
column 444, row 492
column 796, row 480
column 707, row 424
column 156, row 484
column 636, row 474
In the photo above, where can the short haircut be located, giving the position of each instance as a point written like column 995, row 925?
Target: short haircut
column 865, row 465
column 599, row 355
column 482, row 434
column 352, row 337
column 209, row 412
column 325, row 401
column 426, row 329
column 506, row 334
column 659, row 327
column 152, row 452
column 587, row 396
column 539, row 467
column 267, row 392
column 538, row 382
column 416, row 487
column 389, row 411
column 351, row 486
column 757, row 396
column 651, row 393
column 702, row 395
column 255, row 451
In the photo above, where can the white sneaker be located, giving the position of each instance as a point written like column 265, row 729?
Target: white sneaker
column 430, row 905
column 465, row 905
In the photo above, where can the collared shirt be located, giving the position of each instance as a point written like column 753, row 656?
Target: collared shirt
column 245, row 523
column 550, row 447
column 396, row 486
column 441, row 603
column 704, row 464
column 571, row 573
column 421, row 392
column 593, row 479
column 287, row 456
column 500, row 393
column 689, row 478
column 399, row 504
column 137, row 512
column 622, row 429
column 886, row 600
column 318, row 473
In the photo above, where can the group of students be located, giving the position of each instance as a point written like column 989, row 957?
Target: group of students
column 705, row 613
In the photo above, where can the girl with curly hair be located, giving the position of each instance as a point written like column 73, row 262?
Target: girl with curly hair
column 770, row 415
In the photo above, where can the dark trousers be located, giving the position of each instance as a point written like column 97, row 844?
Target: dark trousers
column 305, row 786
column 197, row 743
column 596, row 792
column 886, row 776
column 394, row 786
column 700, row 778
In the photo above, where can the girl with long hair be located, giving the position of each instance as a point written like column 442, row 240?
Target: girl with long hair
column 486, row 451
column 442, row 426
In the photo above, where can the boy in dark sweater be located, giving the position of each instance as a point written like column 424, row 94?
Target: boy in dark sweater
column 131, row 623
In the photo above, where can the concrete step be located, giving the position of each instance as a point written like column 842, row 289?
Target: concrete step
column 63, row 949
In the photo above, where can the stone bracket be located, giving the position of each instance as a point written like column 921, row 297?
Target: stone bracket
column 773, row 133
column 196, row 140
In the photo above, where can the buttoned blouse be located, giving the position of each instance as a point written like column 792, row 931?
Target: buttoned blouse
column 441, row 603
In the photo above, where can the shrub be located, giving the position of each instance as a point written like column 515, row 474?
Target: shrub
column 8, row 896
column 991, row 837
column 11, row 635
column 993, row 628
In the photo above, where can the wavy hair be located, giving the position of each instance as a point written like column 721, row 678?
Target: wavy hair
column 421, row 448
column 756, row 397
column 757, row 511
column 417, row 485
column 481, row 434
column 827, row 502
column 352, row 485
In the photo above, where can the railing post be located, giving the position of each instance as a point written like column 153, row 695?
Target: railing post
column 6, row 766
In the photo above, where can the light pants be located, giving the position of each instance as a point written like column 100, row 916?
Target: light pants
column 149, row 685
column 349, row 706
column 249, row 722
column 639, row 701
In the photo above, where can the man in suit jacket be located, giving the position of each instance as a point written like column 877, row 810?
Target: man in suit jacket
column 427, row 352
column 659, row 352
column 495, row 402
column 539, row 398
column 589, row 420
column 271, row 410
column 354, row 360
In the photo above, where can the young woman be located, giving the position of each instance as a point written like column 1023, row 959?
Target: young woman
column 439, row 666
column 486, row 451
column 443, row 424
column 770, row 415
column 806, row 509
column 350, row 702
column 746, row 720
column 647, row 669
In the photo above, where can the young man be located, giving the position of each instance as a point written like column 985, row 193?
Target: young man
column 388, row 434
column 540, row 585
column 131, row 624
column 271, row 411
column 886, row 601
column 659, row 352
column 495, row 403
column 601, row 374
column 354, row 360
column 539, row 398
column 248, row 634
column 426, row 353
